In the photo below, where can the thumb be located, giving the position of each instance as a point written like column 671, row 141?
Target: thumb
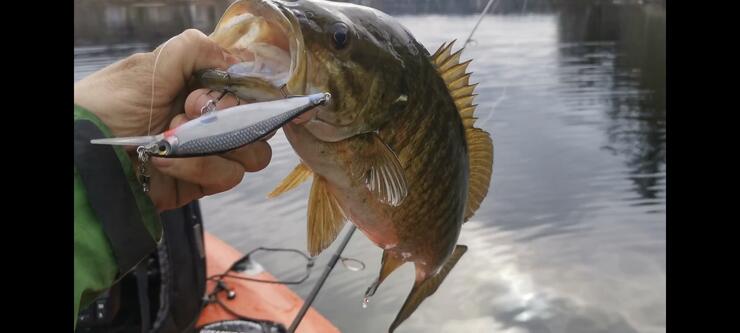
column 193, row 51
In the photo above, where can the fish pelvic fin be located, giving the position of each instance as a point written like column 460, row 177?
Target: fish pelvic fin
column 296, row 177
column 480, row 145
column 325, row 217
column 388, row 264
column 426, row 287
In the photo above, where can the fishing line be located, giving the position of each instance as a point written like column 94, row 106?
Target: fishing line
column 506, row 87
column 154, row 71
column 143, row 151
column 480, row 19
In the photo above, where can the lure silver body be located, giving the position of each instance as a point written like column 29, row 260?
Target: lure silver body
column 220, row 131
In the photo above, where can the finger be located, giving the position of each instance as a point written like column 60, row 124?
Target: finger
column 170, row 193
column 269, row 136
column 253, row 157
column 178, row 120
column 191, row 51
column 215, row 174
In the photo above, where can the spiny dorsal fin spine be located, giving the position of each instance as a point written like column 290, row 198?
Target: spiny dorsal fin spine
column 467, row 112
column 439, row 50
column 464, row 101
column 461, row 82
column 456, row 71
column 443, row 53
column 453, row 60
column 463, row 91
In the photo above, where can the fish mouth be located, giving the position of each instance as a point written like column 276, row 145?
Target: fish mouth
column 266, row 37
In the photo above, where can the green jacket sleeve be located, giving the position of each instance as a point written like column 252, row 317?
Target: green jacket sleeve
column 115, row 223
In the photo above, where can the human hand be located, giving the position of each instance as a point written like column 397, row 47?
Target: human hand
column 121, row 96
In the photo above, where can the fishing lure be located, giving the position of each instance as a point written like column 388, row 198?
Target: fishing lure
column 218, row 132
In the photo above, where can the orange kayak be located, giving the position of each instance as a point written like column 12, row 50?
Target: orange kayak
column 263, row 301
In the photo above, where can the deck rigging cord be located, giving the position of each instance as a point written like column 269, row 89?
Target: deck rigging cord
column 243, row 262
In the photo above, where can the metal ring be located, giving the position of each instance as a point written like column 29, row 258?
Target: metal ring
column 209, row 107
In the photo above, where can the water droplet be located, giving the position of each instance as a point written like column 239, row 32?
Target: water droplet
column 364, row 302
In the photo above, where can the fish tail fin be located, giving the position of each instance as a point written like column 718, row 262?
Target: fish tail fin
column 426, row 287
column 388, row 264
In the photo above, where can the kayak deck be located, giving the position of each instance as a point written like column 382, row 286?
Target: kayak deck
column 255, row 300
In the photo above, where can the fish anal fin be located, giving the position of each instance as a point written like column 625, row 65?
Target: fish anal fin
column 388, row 264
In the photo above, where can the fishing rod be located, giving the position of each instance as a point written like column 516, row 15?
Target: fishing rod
column 480, row 19
column 329, row 267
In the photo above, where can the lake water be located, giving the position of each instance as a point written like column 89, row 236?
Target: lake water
column 571, row 237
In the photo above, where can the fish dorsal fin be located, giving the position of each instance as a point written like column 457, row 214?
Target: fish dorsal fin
column 426, row 287
column 325, row 217
column 383, row 173
column 480, row 157
column 296, row 177
column 480, row 145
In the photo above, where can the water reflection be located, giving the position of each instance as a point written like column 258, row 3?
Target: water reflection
column 111, row 21
column 99, row 22
column 621, row 50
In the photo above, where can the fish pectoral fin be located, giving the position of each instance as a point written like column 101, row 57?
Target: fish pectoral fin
column 296, row 177
column 384, row 175
column 388, row 264
column 325, row 217
column 425, row 288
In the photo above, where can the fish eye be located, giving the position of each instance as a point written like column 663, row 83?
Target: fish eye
column 340, row 35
